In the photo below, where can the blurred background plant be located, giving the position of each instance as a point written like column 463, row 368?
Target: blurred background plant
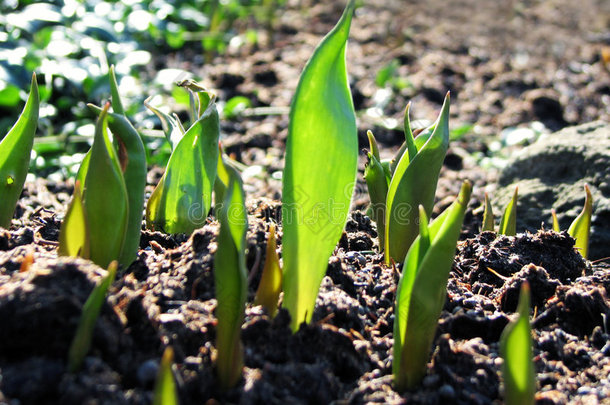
column 70, row 44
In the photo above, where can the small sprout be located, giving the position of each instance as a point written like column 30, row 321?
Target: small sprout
column 581, row 227
column 413, row 183
column 516, row 350
column 91, row 310
column 422, row 290
column 165, row 386
column 230, row 281
column 270, row 286
column 74, row 232
column 377, row 184
column 556, row 227
column 508, row 223
column 15, row 151
column 488, row 216
column 182, row 200
column 320, row 171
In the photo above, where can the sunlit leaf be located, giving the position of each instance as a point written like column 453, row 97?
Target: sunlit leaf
column 556, row 227
column 516, row 349
column 377, row 184
column 508, row 223
column 422, row 288
column 270, row 286
column 320, row 170
column 91, row 311
column 74, row 232
column 413, row 184
column 581, row 227
column 165, row 386
column 230, row 281
column 488, row 216
column 15, row 150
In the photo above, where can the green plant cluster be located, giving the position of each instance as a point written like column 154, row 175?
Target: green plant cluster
column 104, row 218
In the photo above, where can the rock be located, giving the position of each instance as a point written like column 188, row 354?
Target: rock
column 551, row 173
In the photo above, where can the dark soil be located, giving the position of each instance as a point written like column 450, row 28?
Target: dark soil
column 506, row 64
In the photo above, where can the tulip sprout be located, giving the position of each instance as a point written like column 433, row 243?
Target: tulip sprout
column 580, row 229
column 165, row 385
column 270, row 286
column 15, row 151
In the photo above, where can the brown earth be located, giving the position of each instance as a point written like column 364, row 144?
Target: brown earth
column 506, row 65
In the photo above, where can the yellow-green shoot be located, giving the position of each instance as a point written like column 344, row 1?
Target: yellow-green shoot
column 91, row 311
column 230, row 280
column 101, row 209
column 15, row 151
column 488, row 216
column 516, row 349
column 413, row 183
column 165, row 385
column 377, row 181
column 422, row 289
column 580, row 228
column 270, row 286
column 182, row 200
column 508, row 222
column 320, row 171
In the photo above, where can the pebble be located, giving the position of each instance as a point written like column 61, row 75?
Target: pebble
column 147, row 372
column 469, row 303
column 431, row 381
column 447, row 392
column 378, row 288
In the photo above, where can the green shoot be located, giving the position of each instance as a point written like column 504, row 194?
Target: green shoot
column 377, row 184
column 320, row 171
column 74, row 232
column 488, row 216
column 422, row 290
column 230, row 281
column 15, row 151
column 165, row 386
column 414, row 183
column 581, row 227
column 556, row 227
column 182, row 200
column 270, row 286
column 516, row 350
column 91, row 311
column 508, row 222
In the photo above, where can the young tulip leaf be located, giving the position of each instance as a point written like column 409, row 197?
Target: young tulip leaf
column 181, row 201
column 165, row 386
column 373, row 145
column 91, row 311
column 270, row 286
column 377, row 184
column 15, row 151
column 74, row 232
column 320, row 171
column 105, row 198
column 414, row 183
column 230, row 281
column 516, row 350
column 508, row 223
column 422, row 288
column 555, row 221
column 581, row 227
column 488, row 216
column 171, row 124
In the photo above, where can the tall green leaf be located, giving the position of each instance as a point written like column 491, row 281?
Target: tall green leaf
column 15, row 150
column 320, row 171
column 581, row 227
column 105, row 198
column 91, row 311
column 516, row 350
column 422, row 288
column 230, row 280
column 181, row 201
column 413, row 184
column 508, row 222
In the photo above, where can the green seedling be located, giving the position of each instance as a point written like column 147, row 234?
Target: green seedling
column 132, row 159
column 396, row 187
column 230, row 280
column 516, row 350
column 508, row 222
column 101, row 208
column 182, row 200
column 581, row 227
column 165, row 385
column 488, row 216
column 320, row 171
column 91, row 311
column 422, row 288
column 270, row 286
column 15, row 151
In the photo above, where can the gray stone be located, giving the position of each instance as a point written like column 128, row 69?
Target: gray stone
column 551, row 173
